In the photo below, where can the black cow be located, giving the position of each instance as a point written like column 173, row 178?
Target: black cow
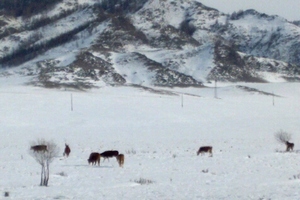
column 38, row 148
column 109, row 154
column 205, row 149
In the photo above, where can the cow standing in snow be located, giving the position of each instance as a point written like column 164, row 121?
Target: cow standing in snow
column 109, row 154
column 67, row 151
column 205, row 149
column 38, row 148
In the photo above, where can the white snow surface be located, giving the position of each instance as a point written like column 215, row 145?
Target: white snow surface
column 159, row 136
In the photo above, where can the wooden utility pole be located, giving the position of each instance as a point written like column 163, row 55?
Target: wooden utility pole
column 71, row 102
column 216, row 95
column 182, row 100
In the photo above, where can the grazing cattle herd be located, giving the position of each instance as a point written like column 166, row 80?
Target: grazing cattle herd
column 95, row 157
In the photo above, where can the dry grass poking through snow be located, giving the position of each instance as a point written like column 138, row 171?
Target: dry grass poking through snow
column 143, row 181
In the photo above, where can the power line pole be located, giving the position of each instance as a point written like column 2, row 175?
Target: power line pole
column 182, row 100
column 71, row 102
column 216, row 95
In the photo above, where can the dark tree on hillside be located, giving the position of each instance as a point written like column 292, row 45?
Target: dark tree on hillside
column 187, row 27
column 25, row 8
column 121, row 6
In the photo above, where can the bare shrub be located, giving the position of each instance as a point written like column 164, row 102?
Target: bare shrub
column 6, row 194
column 282, row 136
column 62, row 174
column 264, row 198
column 143, row 181
column 131, row 151
column 279, row 151
column 295, row 177
column 44, row 158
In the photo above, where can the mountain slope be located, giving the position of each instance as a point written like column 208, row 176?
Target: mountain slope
column 154, row 42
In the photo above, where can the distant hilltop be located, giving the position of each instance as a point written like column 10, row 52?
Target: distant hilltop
column 87, row 43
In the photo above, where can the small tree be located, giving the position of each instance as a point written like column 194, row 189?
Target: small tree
column 284, row 138
column 44, row 158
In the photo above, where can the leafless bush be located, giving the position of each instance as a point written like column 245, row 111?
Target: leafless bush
column 295, row 177
column 6, row 194
column 282, row 136
column 131, row 151
column 279, row 151
column 44, row 157
column 62, row 174
column 264, row 198
column 143, row 181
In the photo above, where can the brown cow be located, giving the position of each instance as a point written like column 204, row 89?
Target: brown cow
column 109, row 154
column 289, row 146
column 67, row 151
column 94, row 158
column 205, row 149
column 38, row 148
column 120, row 159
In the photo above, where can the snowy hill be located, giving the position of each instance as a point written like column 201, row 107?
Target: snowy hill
column 88, row 43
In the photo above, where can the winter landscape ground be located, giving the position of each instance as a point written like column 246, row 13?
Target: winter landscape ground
column 158, row 129
column 159, row 135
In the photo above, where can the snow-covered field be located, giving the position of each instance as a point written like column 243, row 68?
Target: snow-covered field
column 159, row 135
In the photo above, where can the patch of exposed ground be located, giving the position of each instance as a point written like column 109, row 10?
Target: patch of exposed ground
column 253, row 90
